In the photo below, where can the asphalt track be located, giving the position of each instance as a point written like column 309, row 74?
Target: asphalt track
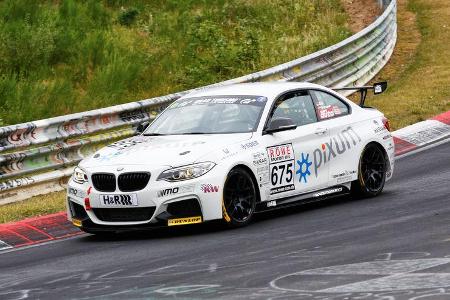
column 396, row 246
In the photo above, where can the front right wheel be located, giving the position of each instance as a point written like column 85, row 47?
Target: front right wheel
column 239, row 198
column 371, row 172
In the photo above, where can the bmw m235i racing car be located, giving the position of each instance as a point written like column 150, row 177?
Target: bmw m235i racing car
column 229, row 152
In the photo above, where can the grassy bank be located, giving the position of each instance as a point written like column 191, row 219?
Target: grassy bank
column 419, row 72
column 60, row 57
column 36, row 206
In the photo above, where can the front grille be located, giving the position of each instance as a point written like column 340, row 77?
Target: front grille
column 184, row 208
column 104, row 182
column 130, row 182
column 77, row 211
column 124, row 214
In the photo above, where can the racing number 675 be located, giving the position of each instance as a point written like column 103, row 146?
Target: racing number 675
column 282, row 172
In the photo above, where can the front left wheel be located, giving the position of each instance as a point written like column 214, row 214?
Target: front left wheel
column 239, row 198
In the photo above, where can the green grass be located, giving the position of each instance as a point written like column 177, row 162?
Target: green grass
column 60, row 57
column 33, row 207
column 419, row 73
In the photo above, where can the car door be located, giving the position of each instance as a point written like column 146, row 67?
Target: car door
column 296, row 161
column 343, row 147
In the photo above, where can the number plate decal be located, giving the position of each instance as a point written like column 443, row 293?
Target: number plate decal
column 281, row 165
column 118, row 200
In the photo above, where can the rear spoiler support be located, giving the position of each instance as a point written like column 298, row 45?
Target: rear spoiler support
column 377, row 88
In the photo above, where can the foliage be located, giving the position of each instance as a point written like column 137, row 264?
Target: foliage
column 128, row 16
column 60, row 57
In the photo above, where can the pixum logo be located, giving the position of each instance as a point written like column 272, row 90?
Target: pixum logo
column 337, row 145
column 209, row 188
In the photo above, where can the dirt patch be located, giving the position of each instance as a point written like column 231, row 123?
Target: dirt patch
column 361, row 12
column 417, row 58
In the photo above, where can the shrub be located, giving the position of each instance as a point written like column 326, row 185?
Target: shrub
column 26, row 45
column 128, row 16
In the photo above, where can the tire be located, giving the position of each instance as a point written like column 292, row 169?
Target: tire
column 239, row 198
column 371, row 172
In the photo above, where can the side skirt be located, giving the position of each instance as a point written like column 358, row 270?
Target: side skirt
column 319, row 195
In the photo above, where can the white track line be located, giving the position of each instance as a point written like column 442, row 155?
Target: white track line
column 12, row 249
column 4, row 245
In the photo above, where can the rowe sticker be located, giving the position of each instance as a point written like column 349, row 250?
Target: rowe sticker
column 281, row 168
column 184, row 221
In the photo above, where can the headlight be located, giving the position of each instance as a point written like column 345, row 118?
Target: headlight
column 186, row 172
column 79, row 176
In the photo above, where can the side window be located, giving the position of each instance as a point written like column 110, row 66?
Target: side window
column 297, row 106
column 328, row 106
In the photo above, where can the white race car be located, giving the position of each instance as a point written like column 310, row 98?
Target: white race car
column 229, row 152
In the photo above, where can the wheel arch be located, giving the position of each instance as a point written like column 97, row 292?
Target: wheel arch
column 383, row 149
column 252, row 175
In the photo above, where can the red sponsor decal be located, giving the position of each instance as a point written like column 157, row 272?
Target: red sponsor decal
column 209, row 188
column 280, row 153
column 326, row 112
column 336, row 110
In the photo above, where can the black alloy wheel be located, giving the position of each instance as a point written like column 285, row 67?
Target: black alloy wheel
column 372, row 171
column 239, row 198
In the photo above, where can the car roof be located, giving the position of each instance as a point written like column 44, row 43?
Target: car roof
column 267, row 89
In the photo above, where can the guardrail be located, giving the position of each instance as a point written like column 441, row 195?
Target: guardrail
column 38, row 157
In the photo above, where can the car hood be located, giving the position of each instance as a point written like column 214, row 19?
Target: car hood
column 171, row 150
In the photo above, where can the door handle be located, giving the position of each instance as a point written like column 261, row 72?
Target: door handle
column 320, row 131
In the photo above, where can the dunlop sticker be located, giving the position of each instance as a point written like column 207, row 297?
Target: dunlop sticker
column 184, row 221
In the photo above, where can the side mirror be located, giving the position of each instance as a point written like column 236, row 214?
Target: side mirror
column 280, row 124
column 141, row 127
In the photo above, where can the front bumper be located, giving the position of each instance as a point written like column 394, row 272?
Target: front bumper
column 159, row 204
column 80, row 218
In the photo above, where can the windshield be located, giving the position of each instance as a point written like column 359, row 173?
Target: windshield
column 209, row 115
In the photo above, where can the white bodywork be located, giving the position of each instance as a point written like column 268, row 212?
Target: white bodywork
column 329, row 150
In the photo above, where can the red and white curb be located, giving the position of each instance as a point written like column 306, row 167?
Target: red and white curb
column 422, row 134
column 55, row 226
column 36, row 230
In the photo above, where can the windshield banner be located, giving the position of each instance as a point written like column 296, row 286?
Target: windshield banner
column 235, row 99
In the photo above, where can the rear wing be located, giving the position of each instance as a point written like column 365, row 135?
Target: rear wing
column 377, row 88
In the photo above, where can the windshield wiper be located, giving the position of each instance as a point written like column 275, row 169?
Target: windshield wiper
column 184, row 133
column 153, row 134
column 194, row 133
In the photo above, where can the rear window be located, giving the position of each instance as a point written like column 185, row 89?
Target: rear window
column 328, row 106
